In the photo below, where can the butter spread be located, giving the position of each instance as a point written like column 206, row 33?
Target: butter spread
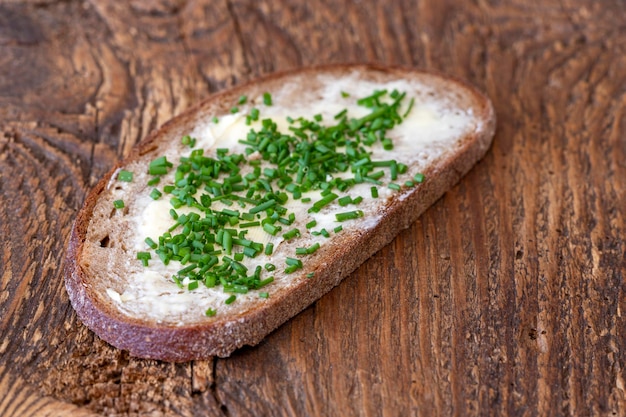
column 429, row 130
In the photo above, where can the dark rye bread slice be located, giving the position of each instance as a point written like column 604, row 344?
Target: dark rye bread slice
column 101, row 256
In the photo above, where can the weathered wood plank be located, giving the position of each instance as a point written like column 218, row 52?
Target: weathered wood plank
column 505, row 298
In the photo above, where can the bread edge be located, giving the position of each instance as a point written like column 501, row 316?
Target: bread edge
column 222, row 337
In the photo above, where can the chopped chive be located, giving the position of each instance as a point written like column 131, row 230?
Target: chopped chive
column 230, row 299
column 394, row 186
column 419, row 178
column 118, row 204
column 125, row 176
column 151, row 243
column 234, row 110
column 211, row 242
column 155, row 194
column 176, row 203
column 310, row 275
column 271, row 229
column 157, row 170
column 250, row 252
column 249, row 224
column 160, row 161
column 227, row 243
column 393, row 168
column 341, row 114
column 313, row 248
column 144, row 257
column 323, row 202
column 262, row 206
column 344, row 201
column 291, row 234
column 292, row 265
column 266, row 281
column 210, row 312
column 349, row 215
column 264, row 294
column 408, row 110
column 293, row 261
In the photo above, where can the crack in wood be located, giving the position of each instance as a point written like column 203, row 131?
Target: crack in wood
column 214, row 389
column 238, row 35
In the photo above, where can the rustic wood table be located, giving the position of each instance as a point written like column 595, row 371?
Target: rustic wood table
column 506, row 298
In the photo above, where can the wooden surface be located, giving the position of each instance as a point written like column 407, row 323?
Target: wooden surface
column 506, row 298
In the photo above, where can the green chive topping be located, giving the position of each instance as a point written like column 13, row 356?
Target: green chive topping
column 263, row 206
column 144, row 257
column 349, row 215
column 408, row 110
column 219, row 198
column 118, row 204
column 271, row 229
column 155, row 194
column 125, row 176
column 151, row 243
column 189, row 141
column 291, row 234
column 344, row 201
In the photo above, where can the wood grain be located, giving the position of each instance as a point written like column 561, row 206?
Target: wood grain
column 505, row 298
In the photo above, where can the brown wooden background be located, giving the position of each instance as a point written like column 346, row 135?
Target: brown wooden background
column 506, row 298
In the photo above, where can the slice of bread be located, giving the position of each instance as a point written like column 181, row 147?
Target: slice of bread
column 154, row 311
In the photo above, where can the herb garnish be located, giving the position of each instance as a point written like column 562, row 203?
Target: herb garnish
column 230, row 193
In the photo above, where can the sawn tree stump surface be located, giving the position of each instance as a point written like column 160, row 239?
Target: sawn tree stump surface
column 505, row 298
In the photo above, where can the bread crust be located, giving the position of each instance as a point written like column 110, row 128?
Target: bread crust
column 222, row 335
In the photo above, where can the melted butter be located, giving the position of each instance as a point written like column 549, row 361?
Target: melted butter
column 423, row 136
